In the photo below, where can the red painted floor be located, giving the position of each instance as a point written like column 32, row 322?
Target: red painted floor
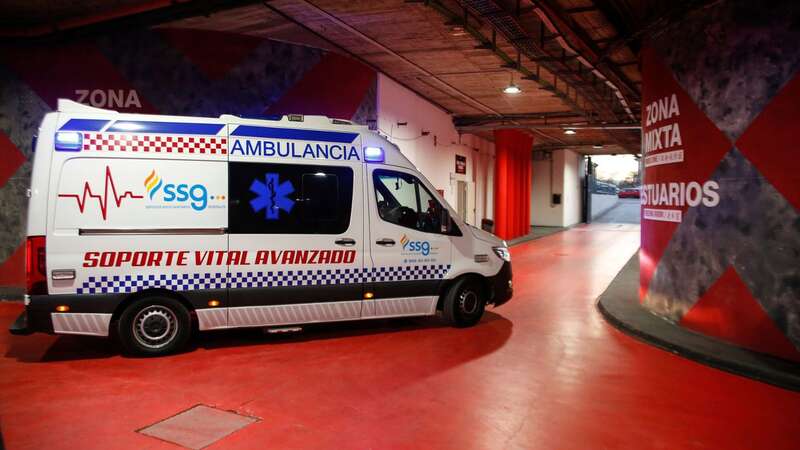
column 542, row 372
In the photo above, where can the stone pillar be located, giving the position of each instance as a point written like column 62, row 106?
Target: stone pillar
column 720, row 223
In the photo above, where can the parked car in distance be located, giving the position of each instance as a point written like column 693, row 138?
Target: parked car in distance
column 605, row 188
column 629, row 193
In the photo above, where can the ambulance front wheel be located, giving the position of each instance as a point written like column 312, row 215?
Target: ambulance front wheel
column 464, row 303
column 154, row 326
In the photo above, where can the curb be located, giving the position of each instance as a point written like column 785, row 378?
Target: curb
column 619, row 305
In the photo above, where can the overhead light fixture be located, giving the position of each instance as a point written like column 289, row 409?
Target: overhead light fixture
column 569, row 131
column 512, row 88
column 457, row 31
column 598, row 146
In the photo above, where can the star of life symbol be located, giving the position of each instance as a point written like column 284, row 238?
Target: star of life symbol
column 272, row 196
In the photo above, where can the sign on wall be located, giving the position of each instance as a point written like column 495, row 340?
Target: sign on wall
column 719, row 196
column 461, row 164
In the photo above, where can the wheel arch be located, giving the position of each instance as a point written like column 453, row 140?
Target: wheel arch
column 482, row 281
column 152, row 292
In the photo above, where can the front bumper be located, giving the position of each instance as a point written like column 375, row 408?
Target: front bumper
column 500, row 285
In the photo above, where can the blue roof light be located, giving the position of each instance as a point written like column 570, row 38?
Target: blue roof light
column 373, row 154
column 69, row 141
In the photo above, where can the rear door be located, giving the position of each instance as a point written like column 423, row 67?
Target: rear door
column 410, row 254
column 135, row 210
column 296, row 235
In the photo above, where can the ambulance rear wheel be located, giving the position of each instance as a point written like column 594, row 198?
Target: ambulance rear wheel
column 464, row 303
column 154, row 326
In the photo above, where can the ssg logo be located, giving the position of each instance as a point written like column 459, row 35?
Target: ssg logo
column 422, row 247
column 178, row 195
column 272, row 196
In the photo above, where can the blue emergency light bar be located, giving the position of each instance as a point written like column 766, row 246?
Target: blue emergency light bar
column 373, row 154
column 69, row 141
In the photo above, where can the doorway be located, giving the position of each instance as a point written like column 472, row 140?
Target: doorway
column 613, row 187
column 461, row 200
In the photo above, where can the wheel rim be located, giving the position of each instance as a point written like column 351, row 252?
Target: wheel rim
column 155, row 326
column 468, row 302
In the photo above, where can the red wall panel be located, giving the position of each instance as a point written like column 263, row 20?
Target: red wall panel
column 512, row 193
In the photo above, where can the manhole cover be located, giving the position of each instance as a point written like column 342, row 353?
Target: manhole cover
column 198, row 427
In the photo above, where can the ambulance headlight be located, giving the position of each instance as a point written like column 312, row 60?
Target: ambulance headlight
column 69, row 141
column 373, row 154
column 503, row 253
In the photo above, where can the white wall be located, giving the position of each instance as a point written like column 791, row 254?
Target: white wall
column 542, row 212
column 565, row 167
column 573, row 199
column 434, row 153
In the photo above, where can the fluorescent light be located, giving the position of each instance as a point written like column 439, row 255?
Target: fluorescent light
column 597, row 146
column 373, row 154
column 512, row 89
column 69, row 141
column 569, row 131
column 457, row 31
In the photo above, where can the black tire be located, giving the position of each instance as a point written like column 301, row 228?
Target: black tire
column 154, row 326
column 464, row 303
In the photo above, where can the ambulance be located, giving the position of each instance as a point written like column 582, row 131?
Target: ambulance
column 150, row 228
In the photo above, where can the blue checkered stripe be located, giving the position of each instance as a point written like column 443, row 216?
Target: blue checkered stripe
column 314, row 277
column 133, row 283
column 409, row 273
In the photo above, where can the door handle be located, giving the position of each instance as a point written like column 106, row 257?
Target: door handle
column 347, row 242
column 63, row 274
column 385, row 242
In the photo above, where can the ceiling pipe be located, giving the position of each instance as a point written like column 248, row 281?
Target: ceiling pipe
column 549, row 16
column 550, row 127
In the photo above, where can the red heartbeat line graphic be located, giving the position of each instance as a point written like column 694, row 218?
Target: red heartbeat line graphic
column 101, row 199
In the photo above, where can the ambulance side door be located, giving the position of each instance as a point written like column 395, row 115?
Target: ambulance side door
column 296, row 238
column 410, row 254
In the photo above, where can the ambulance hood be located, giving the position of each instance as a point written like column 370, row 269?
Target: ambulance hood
column 485, row 236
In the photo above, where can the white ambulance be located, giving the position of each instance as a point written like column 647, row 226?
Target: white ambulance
column 151, row 227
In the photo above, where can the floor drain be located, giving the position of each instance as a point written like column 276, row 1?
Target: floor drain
column 198, row 427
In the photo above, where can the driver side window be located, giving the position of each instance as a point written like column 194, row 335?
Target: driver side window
column 403, row 200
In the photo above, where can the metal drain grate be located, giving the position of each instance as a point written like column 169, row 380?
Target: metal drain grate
column 198, row 427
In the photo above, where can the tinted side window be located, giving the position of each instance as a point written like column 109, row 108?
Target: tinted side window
column 289, row 198
column 403, row 200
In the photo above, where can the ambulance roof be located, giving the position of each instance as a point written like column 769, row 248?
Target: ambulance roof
column 393, row 156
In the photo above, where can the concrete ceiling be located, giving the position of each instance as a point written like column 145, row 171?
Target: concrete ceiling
column 573, row 59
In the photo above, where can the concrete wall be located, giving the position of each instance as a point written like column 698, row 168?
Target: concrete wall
column 721, row 199
column 565, row 167
column 403, row 116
